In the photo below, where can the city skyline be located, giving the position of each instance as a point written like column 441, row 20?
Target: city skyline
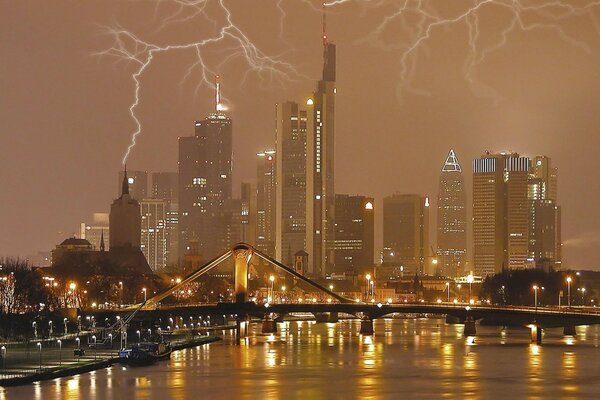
column 483, row 127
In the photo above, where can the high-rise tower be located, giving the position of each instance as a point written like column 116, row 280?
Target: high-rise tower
column 205, row 185
column 451, row 219
column 321, row 163
column 266, row 202
column 125, row 220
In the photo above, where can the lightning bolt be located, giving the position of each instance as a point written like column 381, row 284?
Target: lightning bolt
column 133, row 49
column 420, row 20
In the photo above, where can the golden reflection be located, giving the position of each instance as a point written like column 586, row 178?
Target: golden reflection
column 535, row 374
column 471, row 378
column 569, row 373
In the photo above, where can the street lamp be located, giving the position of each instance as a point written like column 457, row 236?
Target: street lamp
column 569, row 279
column 3, row 355
column 368, row 278
column 139, row 335
column 95, row 347
column 34, row 325
column 65, row 322
column 583, row 296
column 144, row 290
column 39, row 345
column 448, row 289
column 535, row 292
column 59, row 352
column 272, row 279
column 50, row 329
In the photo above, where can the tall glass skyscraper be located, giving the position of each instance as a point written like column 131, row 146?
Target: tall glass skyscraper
column 451, row 219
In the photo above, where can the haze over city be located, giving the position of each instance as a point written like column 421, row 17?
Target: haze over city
column 66, row 121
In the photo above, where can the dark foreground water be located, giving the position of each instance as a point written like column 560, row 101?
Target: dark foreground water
column 406, row 358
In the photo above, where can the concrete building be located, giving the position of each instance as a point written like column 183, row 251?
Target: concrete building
column 354, row 233
column 451, row 219
column 266, row 189
column 292, row 125
column 249, row 213
column 406, row 233
column 154, row 232
column 516, row 222
column 138, row 184
column 125, row 219
column 205, row 182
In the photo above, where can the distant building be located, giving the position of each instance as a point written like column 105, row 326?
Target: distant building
column 165, row 186
column 451, row 219
column 154, row 232
column 96, row 229
column 138, row 184
column 70, row 245
column 293, row 122
column 248, row 213
column 406, row 233
column 205, row 183
column 125, row 220
column 354, row 232
column 266, row 189
column 516, row 221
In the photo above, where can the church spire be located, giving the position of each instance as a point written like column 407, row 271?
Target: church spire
column 125, row 187
column 102, row 248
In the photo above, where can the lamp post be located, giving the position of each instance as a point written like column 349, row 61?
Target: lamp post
column 3, row 355
column 569, row 279
column 144, row 290
column 448, row 289
column 65, row 323
column 34, row 325
column 583, row 296
column 78, row 341
column 50, row 331
column 39, row 345
column 121, row 293
column 535, row 292
column 368, row 278
column 139, row 335
column 95, row 347
column 59, row 351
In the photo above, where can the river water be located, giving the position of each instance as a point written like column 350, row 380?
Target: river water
column 406, row 358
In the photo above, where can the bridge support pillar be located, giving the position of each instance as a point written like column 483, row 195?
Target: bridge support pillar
column 470, row 328
column 536, row 334
column 269, row 325
column 333, row 317
column 241, row 256
column 366, row 326
column 569, row 330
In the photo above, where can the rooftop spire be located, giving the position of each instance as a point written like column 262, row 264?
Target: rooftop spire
column 324, row 25
column 217, row 94
column 451, row 164
column 125, row 187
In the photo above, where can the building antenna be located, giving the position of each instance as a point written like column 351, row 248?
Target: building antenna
column 324, row 25
column 218, row 94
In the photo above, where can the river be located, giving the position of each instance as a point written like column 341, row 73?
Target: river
column 407, row 358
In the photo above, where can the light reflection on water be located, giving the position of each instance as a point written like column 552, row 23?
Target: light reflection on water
column 406, row 358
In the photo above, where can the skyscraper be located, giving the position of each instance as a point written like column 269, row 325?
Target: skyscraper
column 154, row 232
column 138, row 184
column 165, row 186
column 354, row 232
column 451, row 219
column 293, row 123
column 266, row 189
column 406, row 232
column 248, row 213
column 320, row 169
column 125, row 220
column 205, row 185
column 515, row 221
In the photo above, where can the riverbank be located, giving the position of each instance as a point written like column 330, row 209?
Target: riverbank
column 26, row 376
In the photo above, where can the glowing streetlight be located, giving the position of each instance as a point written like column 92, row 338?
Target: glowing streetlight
column 59, row 351
column 470, row 282
column 144, row 290
column 39, row 345
column 272, row 280
column 535, row 293
column 583, row 295
column 569, row 279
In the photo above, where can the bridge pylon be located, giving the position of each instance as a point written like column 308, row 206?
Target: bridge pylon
column 242, row 253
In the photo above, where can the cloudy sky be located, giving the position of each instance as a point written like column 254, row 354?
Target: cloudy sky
column 412, row 83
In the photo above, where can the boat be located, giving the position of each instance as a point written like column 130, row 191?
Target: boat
column 145, row 353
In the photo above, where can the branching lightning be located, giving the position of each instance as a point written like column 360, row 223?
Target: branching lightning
column 128, row 47
column 413, row 23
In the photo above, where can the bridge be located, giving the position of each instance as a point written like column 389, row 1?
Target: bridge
column 152, row 312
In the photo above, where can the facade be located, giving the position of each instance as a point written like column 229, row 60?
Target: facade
column 354, row 232
column 95, row 230
column 138, row 183
column 320, row 168
column 154, row 232
column 165, row 186
column 406, row 233
column 266, row 189
column 293, row 123
column 125, row 220
column 516, row 221
column 205, row 183
column 451, row 219
column 249, row 213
